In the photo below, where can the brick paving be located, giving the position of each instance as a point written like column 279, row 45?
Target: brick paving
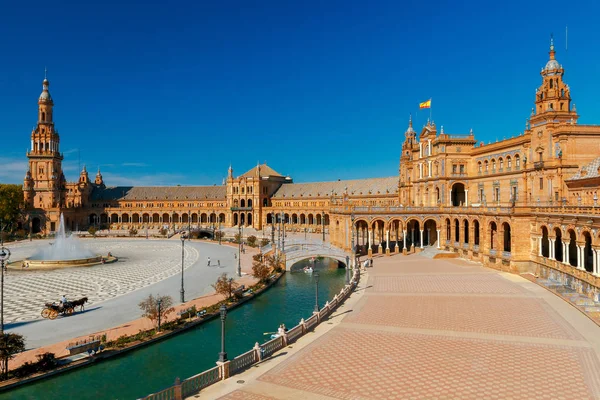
column 504, row 316
column 438, row 333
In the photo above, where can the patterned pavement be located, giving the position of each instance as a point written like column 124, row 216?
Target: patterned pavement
column 447, row 331
column 141, row 263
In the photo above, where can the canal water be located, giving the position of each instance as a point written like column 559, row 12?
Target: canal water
column 155, row 367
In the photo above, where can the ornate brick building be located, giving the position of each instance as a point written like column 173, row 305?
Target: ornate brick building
column 513, row 204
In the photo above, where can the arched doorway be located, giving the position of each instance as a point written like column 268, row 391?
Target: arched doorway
column 507, row 237
column 572, row 248
column 476, row 232
column 414, row 233
column 558, row 245
column 458, row 194
column 36, row 225
column 456, row 231
column 545, row 242
column 588, row 254
column 430, row 236
column 466, row 230
column 235, row 218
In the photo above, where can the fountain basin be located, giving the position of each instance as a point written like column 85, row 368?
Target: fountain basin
column 56, row 264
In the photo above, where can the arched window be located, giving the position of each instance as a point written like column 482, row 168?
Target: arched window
column 508, row 162
column 43, row 116
column 486, row 166
column 517, row 161
column 479, row 166
column 493, row 165
column 562, row 92
column 501, row 164
column 551, row 83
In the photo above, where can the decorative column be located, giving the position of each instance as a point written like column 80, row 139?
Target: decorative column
column 387, row 242
column 429, row 169
column 438, row 238
column 404, row 239
column 429, row 147
column 466, row 197
column 566, row 257
column 579, row 258
column 595, row 261
column 540, row 247
column 551, row 248
column 450, row 198
column 421, row 238
column 420, row 150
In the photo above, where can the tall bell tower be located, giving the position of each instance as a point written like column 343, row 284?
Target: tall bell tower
column 553, row 97
column 44, row 181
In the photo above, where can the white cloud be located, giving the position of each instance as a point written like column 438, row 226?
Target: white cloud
column 135, row 164
column 12, row 170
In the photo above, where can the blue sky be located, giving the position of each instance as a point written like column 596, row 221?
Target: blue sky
column 173, row 92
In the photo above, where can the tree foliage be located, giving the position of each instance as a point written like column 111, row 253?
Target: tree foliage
column 10, row 344
column 150, row 307
column 262, row 266
column 225, row 286
column 133, row 232
column 92, row 231
column 11, row 205
column 251, row 240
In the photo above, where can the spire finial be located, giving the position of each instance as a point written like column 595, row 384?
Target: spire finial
column 45, row 72
column 410, row 120
column 552, row 52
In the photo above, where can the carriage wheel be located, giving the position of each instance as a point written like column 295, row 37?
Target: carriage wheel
column 69, row 311
column 53, row 314
column 46, row 312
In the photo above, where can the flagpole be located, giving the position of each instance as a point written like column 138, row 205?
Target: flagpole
column 430, row 118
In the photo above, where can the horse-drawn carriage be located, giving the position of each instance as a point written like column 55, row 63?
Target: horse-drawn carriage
column 52, row 310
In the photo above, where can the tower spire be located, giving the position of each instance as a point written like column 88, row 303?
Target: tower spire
column 552, row 52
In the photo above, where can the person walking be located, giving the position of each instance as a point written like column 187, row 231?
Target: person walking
column 208, row 261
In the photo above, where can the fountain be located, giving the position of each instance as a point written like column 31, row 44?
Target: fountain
column 65, row 251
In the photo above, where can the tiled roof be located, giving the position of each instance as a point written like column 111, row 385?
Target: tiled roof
column 588, row 171
column 159, row 193
column 372, row 186
column 265, row 170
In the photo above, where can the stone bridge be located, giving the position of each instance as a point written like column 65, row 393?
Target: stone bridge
column 302, row 250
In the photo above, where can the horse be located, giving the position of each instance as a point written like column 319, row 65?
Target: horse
column 80, row 303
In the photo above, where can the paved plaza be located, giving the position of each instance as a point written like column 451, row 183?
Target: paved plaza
column 141, row 263
column 418, row 328
column 114, row 290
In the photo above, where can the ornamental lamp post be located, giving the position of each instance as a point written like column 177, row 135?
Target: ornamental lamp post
column 353, row 245
column 220, row 234
column 158, row 303
column 182, row 291
column 223, row 354
column 323, row 223
column 4, row 257
column 239, row 270
column 283, row 233
column 316, row 275
column 347, row 270
column 272, row 229
column 189, row 233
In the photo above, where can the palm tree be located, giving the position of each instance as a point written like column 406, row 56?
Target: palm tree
column 10, row 344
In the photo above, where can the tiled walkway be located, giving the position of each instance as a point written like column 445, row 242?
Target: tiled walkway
column 436, row 329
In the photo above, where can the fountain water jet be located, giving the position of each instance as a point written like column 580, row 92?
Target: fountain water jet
column 65, row 251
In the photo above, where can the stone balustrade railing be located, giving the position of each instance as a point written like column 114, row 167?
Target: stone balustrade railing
column 196, row 383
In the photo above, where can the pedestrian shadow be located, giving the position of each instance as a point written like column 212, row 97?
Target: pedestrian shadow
column 365, row 288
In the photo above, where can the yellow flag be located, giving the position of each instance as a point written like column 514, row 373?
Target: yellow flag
column 425, row 104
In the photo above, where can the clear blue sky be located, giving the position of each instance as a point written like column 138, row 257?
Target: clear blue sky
column 171, row 93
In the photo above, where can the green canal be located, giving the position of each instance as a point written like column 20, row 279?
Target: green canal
column 155, row 367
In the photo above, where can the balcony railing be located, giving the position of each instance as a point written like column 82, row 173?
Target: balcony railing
column 241, row 208
column 538, row 165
